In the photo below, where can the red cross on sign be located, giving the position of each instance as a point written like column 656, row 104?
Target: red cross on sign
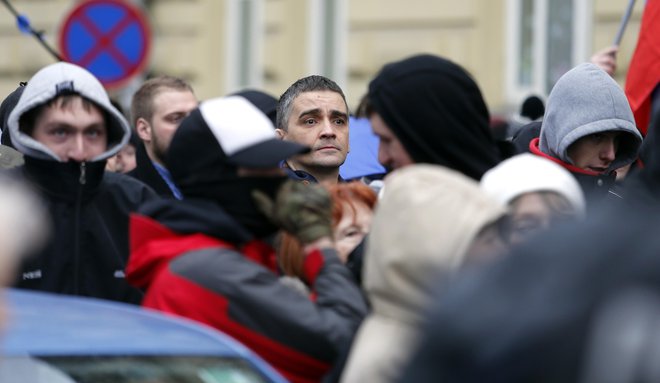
column 111, row 38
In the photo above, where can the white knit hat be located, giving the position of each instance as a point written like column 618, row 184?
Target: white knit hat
column 527, row 173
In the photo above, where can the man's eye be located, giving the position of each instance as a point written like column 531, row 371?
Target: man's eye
column 310, row 121
column 340, row 121
column 94, row 133
column 59, row 132
column 175, row 118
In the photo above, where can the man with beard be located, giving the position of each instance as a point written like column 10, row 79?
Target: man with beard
column 313, row 112
column 157, row 109
column 207, row 257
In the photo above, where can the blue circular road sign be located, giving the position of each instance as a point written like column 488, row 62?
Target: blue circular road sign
column 111, row 38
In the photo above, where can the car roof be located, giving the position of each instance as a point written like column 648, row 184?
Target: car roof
column 48, row 324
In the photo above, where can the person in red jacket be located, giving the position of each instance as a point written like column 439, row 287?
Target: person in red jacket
column 208, row 258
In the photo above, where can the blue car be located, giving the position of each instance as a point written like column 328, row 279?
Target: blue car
column 63, row 339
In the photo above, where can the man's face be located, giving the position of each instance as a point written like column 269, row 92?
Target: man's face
column 170, row 107
column 122, row 162
column 319, row 120
column 72, row 132
column 595, row 152
column 391, row 152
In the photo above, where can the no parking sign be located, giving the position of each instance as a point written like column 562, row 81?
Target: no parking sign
column 111, row 38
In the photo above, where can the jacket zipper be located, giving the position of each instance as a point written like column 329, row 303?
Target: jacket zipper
column 82, row 180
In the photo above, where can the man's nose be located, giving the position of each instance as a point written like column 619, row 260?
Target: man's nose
column 383, row 156
column 608, row 151
column 77, row 149
column 327, row 129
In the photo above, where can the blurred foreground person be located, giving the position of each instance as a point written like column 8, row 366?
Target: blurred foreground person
column 208, row 256
column 430, row 222
column 539, row 193
column 427, row 109
column 579, row 304
column 23, row 228
column 66, row 127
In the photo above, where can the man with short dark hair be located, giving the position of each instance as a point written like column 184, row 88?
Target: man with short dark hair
column 314, row 112
column 157, row 109
column 66, row 128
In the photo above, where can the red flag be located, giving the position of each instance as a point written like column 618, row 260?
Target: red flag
column 644, row 70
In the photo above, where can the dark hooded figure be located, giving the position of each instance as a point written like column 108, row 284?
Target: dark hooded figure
column 580, row 304
column 9, row 157
column 427, row 109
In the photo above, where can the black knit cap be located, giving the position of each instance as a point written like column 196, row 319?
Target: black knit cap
column 262, row 100
column 436, row 110
column 6, row 107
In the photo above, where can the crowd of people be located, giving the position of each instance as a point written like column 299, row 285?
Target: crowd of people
column 468, row 256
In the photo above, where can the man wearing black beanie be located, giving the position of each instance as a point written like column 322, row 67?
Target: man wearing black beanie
column 426, row 109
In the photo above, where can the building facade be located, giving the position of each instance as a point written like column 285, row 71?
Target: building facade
column 512, row 47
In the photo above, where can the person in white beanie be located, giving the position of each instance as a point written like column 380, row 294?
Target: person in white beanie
column 538, row 192
column 66, row 128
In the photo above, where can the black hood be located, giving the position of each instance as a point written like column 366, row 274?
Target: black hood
column 5, row 109
column 436, row 110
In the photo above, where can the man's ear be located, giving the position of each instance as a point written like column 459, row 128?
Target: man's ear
column 281, row 133
column 143, row 129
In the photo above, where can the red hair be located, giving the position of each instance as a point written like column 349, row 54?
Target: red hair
column 343, row 195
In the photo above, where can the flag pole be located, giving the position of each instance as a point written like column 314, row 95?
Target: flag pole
column 624, row 22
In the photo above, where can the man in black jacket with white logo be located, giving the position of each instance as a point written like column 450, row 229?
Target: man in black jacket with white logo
column 66, row 128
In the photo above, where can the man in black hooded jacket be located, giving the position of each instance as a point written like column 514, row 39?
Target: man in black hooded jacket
column 66, row 127
column 427, row 109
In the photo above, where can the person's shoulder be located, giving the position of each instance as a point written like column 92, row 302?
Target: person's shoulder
column 124, row 184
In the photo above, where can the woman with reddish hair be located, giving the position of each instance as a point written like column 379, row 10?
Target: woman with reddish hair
column 353, row 205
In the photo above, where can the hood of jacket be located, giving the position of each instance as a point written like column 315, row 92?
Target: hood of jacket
column 584, row 101
column 436, row 110
column 422, row 228
column 164, row 229
column 61, row 79
column 8, row 104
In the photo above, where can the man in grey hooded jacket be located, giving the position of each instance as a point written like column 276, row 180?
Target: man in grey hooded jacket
column 66, row 128
column 589, row 129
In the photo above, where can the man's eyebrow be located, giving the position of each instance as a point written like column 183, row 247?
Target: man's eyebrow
column 315, row 111
column 338, row 113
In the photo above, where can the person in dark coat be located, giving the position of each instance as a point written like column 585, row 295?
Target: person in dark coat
column 157, row 109
column 427, row 109
column 66, row 128
column 9, row 157
column 208, row 256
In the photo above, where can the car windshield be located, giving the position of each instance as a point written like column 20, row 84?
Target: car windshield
column 129, row 369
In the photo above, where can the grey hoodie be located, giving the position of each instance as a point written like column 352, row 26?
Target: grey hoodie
column 584, row 101
column 53, row 81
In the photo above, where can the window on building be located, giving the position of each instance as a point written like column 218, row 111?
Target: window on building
column 545, row 39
